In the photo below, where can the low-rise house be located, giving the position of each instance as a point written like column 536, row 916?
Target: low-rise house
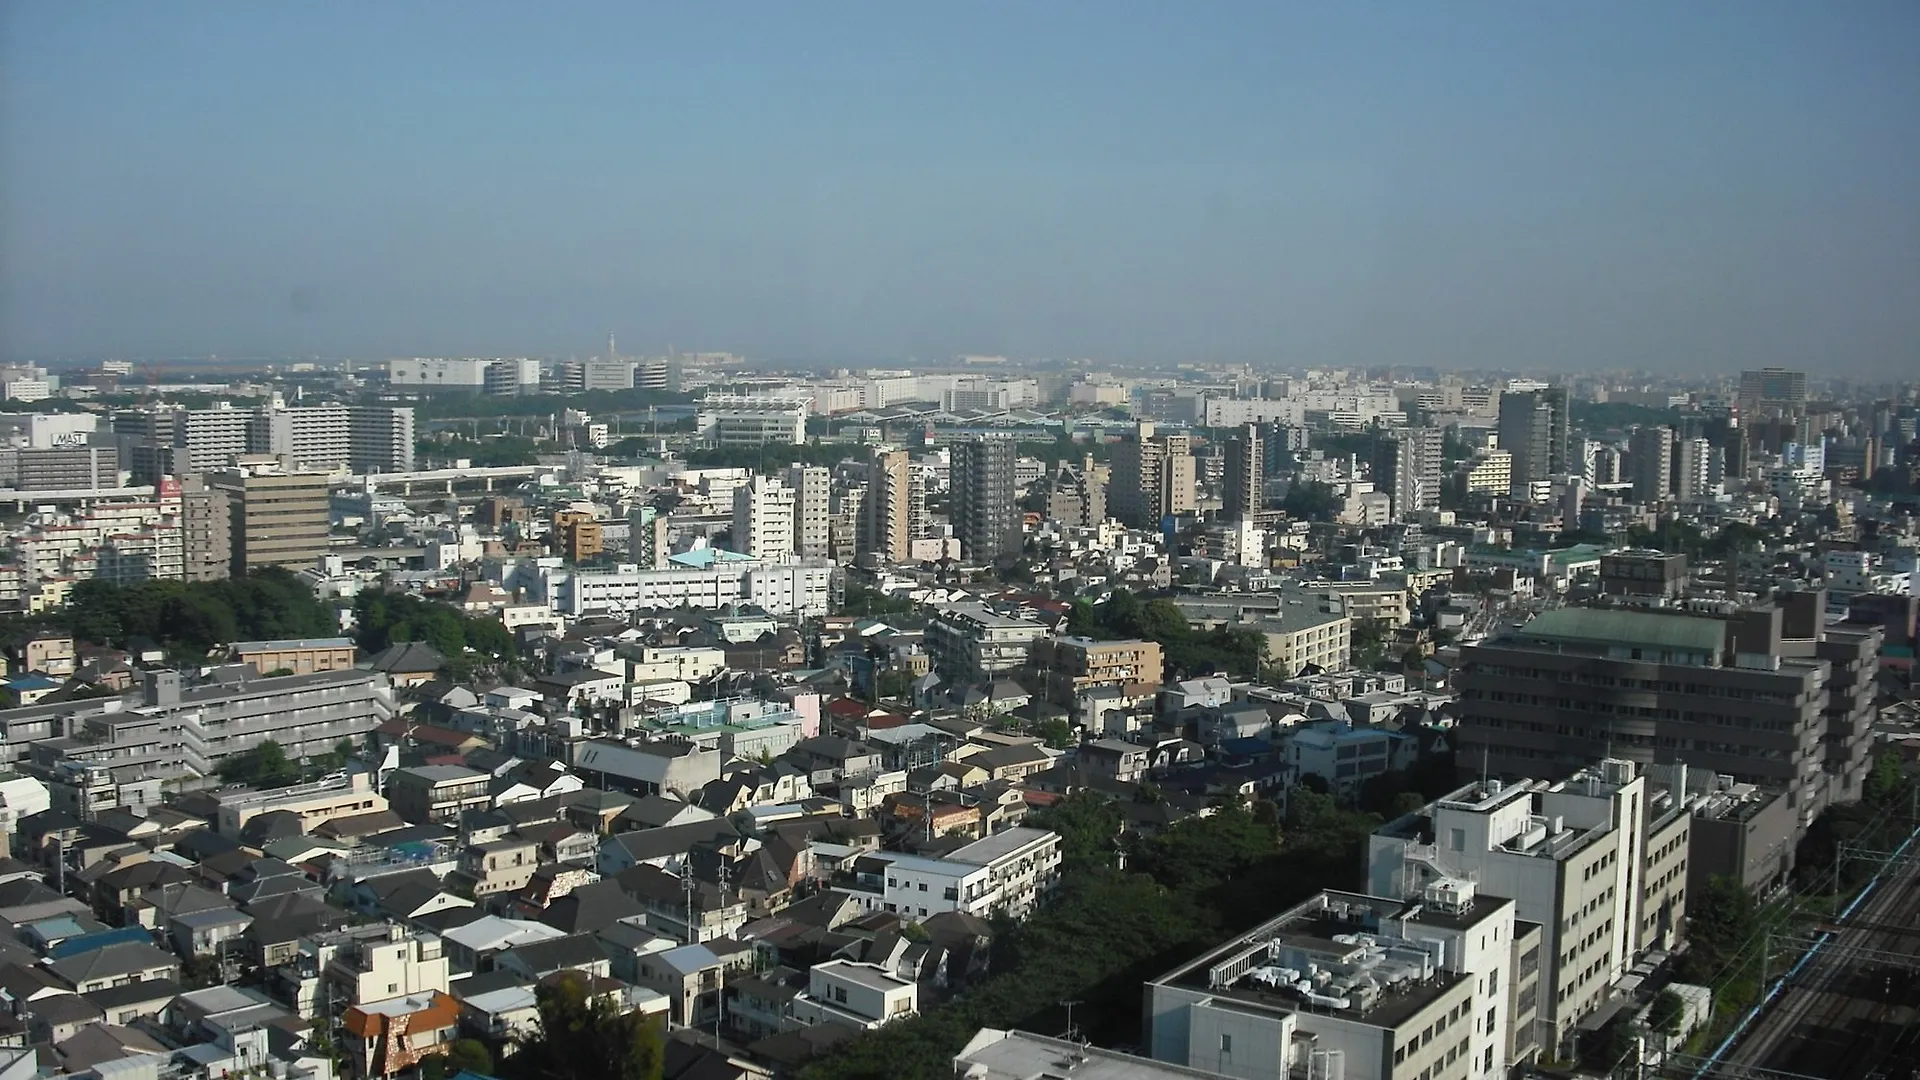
column 834, row 758
column 537, row 959
column 658, row 847
column 59, row 1018
column 861, row 995
column 1013, row 763
column 115, row 965
column 431, row 794
column 666, row 901
column 472, row 947
column 531, row 780
column 207, row 932
column 494, row 1012
column 390, row 1036
column 499, row 866
column 689, row 977
column 1115, row 758
column 143, row 1000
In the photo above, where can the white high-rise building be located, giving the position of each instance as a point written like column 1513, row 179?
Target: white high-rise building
column 763, row 518
column 364, row 438
column 1598, row 860
column 812, row 494
column 1700, row 469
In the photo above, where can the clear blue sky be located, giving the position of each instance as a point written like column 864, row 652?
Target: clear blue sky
column 1695, row 185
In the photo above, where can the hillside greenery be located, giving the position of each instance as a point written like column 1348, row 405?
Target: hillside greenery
column 189, row 618
column 387, row 618
column 1189, row 652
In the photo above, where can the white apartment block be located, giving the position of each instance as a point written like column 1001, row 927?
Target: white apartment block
column 468, row 374
column 1597, row 861
column 763, row 516
column 861, row 996
column 365, row 438
column 1009, row 873
column 728, row 420
column 1351, row 986
column 971, row 642
column 803, row 588
column 812, row 498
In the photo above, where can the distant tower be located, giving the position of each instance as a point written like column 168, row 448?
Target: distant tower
column 611, row 355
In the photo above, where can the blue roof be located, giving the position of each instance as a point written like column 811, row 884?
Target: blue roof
column 1247, row 747
column 30, row 681
column 99, row 939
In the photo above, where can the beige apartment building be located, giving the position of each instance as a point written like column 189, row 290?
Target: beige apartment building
column 315, row 804
column 296, row 657
column 1074, row 664
column 276, row 518
column 1152, row 477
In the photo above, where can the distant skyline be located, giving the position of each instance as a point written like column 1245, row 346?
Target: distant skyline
column 1696, row 187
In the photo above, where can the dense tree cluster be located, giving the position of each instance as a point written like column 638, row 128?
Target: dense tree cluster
column 1310, row 500
column 191, row 617
column 1239, row 653
column 581, row 1037
column 268, row 766
column 492, row 451
column 385, row 618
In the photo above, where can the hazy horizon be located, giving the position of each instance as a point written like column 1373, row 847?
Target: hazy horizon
column 1699, row 187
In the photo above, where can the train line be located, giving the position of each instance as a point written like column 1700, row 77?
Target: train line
column 1849, row 1008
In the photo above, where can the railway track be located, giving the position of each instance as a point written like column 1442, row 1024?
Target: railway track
column 1849, row 1008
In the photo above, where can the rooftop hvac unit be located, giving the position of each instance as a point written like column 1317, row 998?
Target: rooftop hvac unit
column 1450, row 895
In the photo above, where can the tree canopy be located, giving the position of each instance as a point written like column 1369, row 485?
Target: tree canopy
column 580, row 1037
column 264, row 766
column 191, row 617
column 1239, row 653
column 385, row 618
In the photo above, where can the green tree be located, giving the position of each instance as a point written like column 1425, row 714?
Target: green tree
column 1722, row 918
column 581, row 1037
column 1089, row 827
column 264, row 766
column 1056, row 732
column 1666, row 1013
column 199, row 971
column 1887, row 780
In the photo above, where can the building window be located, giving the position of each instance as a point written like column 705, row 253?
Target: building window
column 1457, row 839
column 1226, row 1044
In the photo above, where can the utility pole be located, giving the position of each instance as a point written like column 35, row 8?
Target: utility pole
column 1073, row 1033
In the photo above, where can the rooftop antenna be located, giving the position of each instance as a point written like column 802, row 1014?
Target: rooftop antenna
column 1484, row 751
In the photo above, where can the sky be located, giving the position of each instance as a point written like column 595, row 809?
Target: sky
column 1697, row 186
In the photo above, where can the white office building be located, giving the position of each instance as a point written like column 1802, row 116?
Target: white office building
column 1352, row 986
column 728, row 420
column 812, row 498
column 763, row 518
column 468, row 375
column 707, row 578
column 1598, row 861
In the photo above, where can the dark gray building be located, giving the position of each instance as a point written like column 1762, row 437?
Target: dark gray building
column 984, row 514
column 1533, row 428
column 1246, row 475
column 60, row 468
column 1768, row 695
